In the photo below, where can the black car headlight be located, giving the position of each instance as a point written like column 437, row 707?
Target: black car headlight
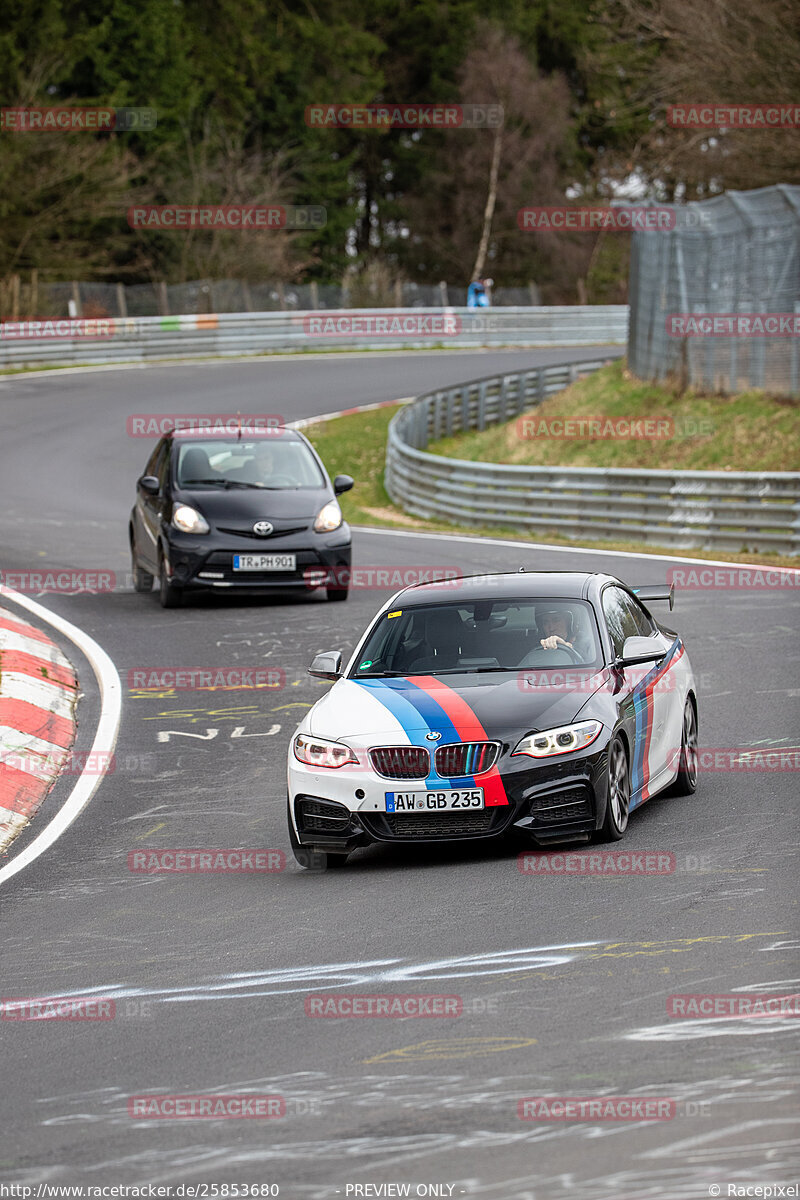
column 189, row 520
column 563, row 740
column 328, row 518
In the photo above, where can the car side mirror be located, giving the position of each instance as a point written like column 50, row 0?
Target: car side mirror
column 149, row 484
column 639, row 650
column 327, row 665
column 342, row 483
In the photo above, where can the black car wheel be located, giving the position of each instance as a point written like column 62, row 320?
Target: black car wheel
column 313, row 860
column 619, row 792
column 336, row 593
column 686, row 781
column 169, row 595
column 142, row 580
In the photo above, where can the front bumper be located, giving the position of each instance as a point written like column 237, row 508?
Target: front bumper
column 206, row 563
column 555, row 800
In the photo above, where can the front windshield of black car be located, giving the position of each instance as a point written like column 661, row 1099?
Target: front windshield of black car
column 482, row 636
column 270, row 463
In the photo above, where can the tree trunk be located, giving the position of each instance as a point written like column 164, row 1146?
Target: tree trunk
column 488, row 212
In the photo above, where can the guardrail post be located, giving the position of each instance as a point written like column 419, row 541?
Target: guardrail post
column 482, row 404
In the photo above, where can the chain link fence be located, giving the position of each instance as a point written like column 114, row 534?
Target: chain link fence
column 28, row 297
column 735, row 259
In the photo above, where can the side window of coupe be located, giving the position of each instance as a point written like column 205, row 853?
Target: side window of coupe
column 623, row 618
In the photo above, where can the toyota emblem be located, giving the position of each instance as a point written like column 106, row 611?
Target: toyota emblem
column 263, row 528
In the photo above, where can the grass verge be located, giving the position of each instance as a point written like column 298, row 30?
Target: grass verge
column 356, row 445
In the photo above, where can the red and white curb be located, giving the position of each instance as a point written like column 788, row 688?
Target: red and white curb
column 38, row 696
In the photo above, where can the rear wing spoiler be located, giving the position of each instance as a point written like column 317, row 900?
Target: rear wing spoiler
column 656, row 591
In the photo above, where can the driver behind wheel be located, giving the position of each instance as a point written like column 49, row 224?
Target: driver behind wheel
column 555, row 624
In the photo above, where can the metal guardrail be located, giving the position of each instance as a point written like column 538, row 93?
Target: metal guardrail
column 712, row 510
column 142, row 339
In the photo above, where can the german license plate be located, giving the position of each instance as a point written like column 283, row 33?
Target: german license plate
column 265, row 562
column 444, row 801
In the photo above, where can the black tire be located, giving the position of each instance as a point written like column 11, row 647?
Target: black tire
column 311, row 859
column 169, row 595
column 142, row 580
column 686, row 782
column 619, row 793
column 337, row 593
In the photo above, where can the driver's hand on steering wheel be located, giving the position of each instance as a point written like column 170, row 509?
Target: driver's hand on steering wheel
column 553, row 642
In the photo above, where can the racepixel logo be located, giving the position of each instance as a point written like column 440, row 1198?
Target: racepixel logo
column 738, row 325
column 733, row 116
column 382, row 117
column 403, row 325
column 150, row 425
column 604, row 863
column 596, row 1108
column 56, row 327
column 652, row 429
column 247, row 1106
column 381, row 578
column 734, row 1004
column 337, row 1005
column 236, row 217
column 732, row 578
column 191, row 679
column 77, row 120
column 57, row 1008
column 69, row 580
column 206, row 862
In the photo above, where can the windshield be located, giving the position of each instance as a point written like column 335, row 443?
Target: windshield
column 274, row 464
column 481, row 636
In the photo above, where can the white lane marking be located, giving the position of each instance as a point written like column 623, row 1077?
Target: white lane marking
column 489, row 541
column 12, row 741
column 26, row 645
column 105, row 738
column 54, row 697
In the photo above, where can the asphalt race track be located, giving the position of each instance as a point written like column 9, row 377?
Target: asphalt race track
column 564, row 979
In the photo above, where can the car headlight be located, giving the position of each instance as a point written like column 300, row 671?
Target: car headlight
column 328, row 518
column 563, row 740
column 321, row 752
column 189, row 520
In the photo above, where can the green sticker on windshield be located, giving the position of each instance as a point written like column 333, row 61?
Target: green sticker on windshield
column 366, row 664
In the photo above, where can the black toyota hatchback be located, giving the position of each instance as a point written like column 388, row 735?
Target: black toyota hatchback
column 251, row 512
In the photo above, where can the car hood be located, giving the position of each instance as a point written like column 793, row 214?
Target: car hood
column 242, row 505
column 460, row 708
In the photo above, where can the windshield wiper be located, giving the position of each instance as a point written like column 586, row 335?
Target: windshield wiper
column 186, row 482
column 378, row 674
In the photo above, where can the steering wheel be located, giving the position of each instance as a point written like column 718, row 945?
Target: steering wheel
column 531, row 657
